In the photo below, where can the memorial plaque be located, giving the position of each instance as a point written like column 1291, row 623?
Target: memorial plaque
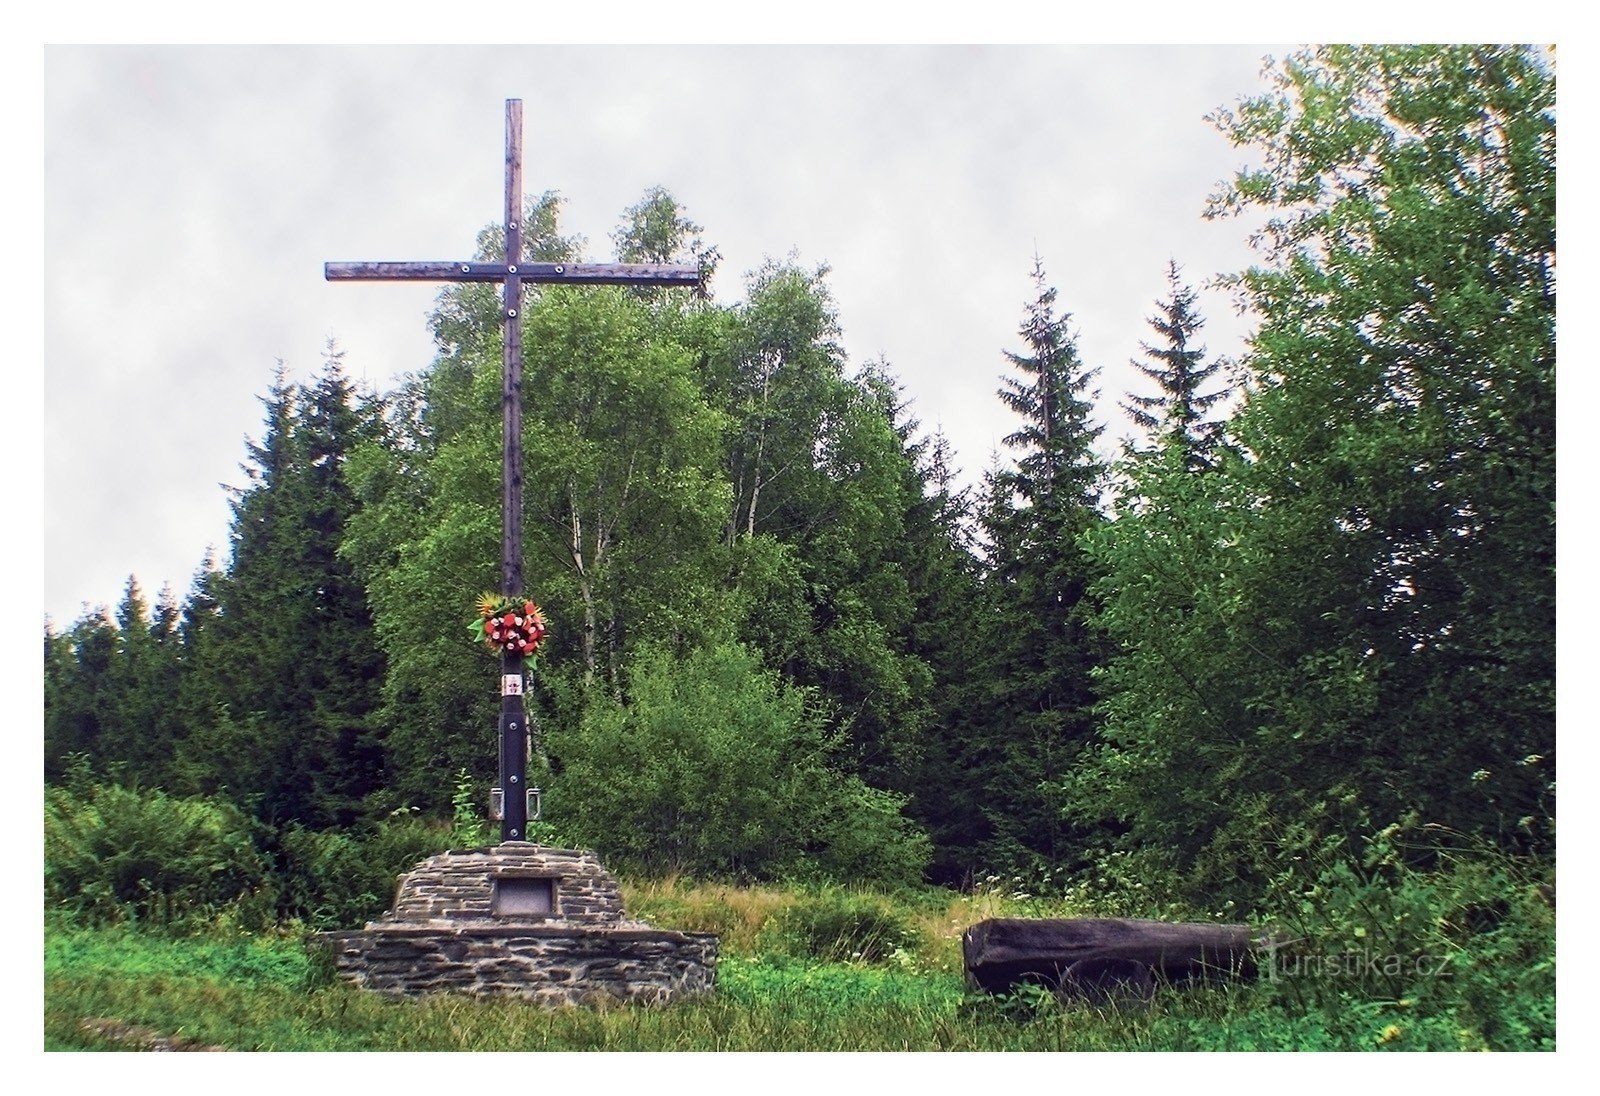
column 516, row 896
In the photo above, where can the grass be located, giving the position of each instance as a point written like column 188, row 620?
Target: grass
column 760, row 1006
column 780, row 988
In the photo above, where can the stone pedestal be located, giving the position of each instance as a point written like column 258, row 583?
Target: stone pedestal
column 520, row 920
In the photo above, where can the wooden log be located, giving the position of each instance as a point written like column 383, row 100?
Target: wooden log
column 1078, row 957
column 1101, row 981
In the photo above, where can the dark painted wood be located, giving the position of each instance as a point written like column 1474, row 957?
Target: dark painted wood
column 513, row 710
column 667, row 274
column 1076, row 956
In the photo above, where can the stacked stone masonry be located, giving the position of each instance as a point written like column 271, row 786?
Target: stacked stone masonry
column 456, row 886
column 444, row 934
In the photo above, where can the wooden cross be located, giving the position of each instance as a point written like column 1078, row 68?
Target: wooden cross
column 512, row 272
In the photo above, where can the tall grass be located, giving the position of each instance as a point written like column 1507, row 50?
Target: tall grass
column 167, row 987
column 759, row 1006
column 789, row 980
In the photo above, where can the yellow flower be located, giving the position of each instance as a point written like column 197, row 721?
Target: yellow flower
column 1389, row 1034
column 488, row 604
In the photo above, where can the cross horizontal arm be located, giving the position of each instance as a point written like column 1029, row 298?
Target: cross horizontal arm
column 552, row 273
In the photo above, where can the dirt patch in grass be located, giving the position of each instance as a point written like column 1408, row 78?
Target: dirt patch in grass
column 138, row 1037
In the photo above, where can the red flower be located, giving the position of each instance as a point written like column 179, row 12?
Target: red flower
column 512, row 627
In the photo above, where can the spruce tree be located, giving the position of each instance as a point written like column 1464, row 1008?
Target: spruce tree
column 343, row 745
column 286, row 668
column 1036, row 644
column 942, row 573
column 109, row 689
column 1179, row 369
column 78, row 668
column 143, row 725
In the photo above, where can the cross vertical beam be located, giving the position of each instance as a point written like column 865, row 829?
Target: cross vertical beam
column 512, row 272
column 514, row 734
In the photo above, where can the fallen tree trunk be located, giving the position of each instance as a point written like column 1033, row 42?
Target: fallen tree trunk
column 1096, row 958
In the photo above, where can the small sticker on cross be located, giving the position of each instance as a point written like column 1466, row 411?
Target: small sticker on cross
column 510, row 684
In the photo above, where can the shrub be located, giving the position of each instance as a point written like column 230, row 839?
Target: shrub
column 716, row 767
column 862, row 834
column 342, row 879
column 1457, row 955
column 113, row 854
column 841, row 926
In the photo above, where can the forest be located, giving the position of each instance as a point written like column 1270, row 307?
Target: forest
column 1294, row 644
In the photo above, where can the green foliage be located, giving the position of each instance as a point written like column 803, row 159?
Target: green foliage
column 283, row 674
column 335, row 879
column 715, row 767
column 1350, row 615
column 839, row 926
column 942, row 581
column 1457, row 956
column 656, row 231
column 1402, row 571
column 822, row 482
column 470, row 830
column 774, row 640
column 1410, row 938
column 863, row 835
column 623, row 509
column 704, row 769
column 1034, row 653
column 114, row 854
column 109, row 685
column 1179, row 368
column 78, row 669
column 692, row 473
column 1056, row 470
column 1175, row 727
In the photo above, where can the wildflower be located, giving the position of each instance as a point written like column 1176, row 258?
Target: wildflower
column 1389, row 1034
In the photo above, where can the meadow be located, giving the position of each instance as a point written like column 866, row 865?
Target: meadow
column 802, row 969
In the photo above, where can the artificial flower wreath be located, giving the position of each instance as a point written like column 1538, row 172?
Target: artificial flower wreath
column 510, row 624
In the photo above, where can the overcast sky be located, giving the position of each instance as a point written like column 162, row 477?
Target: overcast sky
column 192, row 194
